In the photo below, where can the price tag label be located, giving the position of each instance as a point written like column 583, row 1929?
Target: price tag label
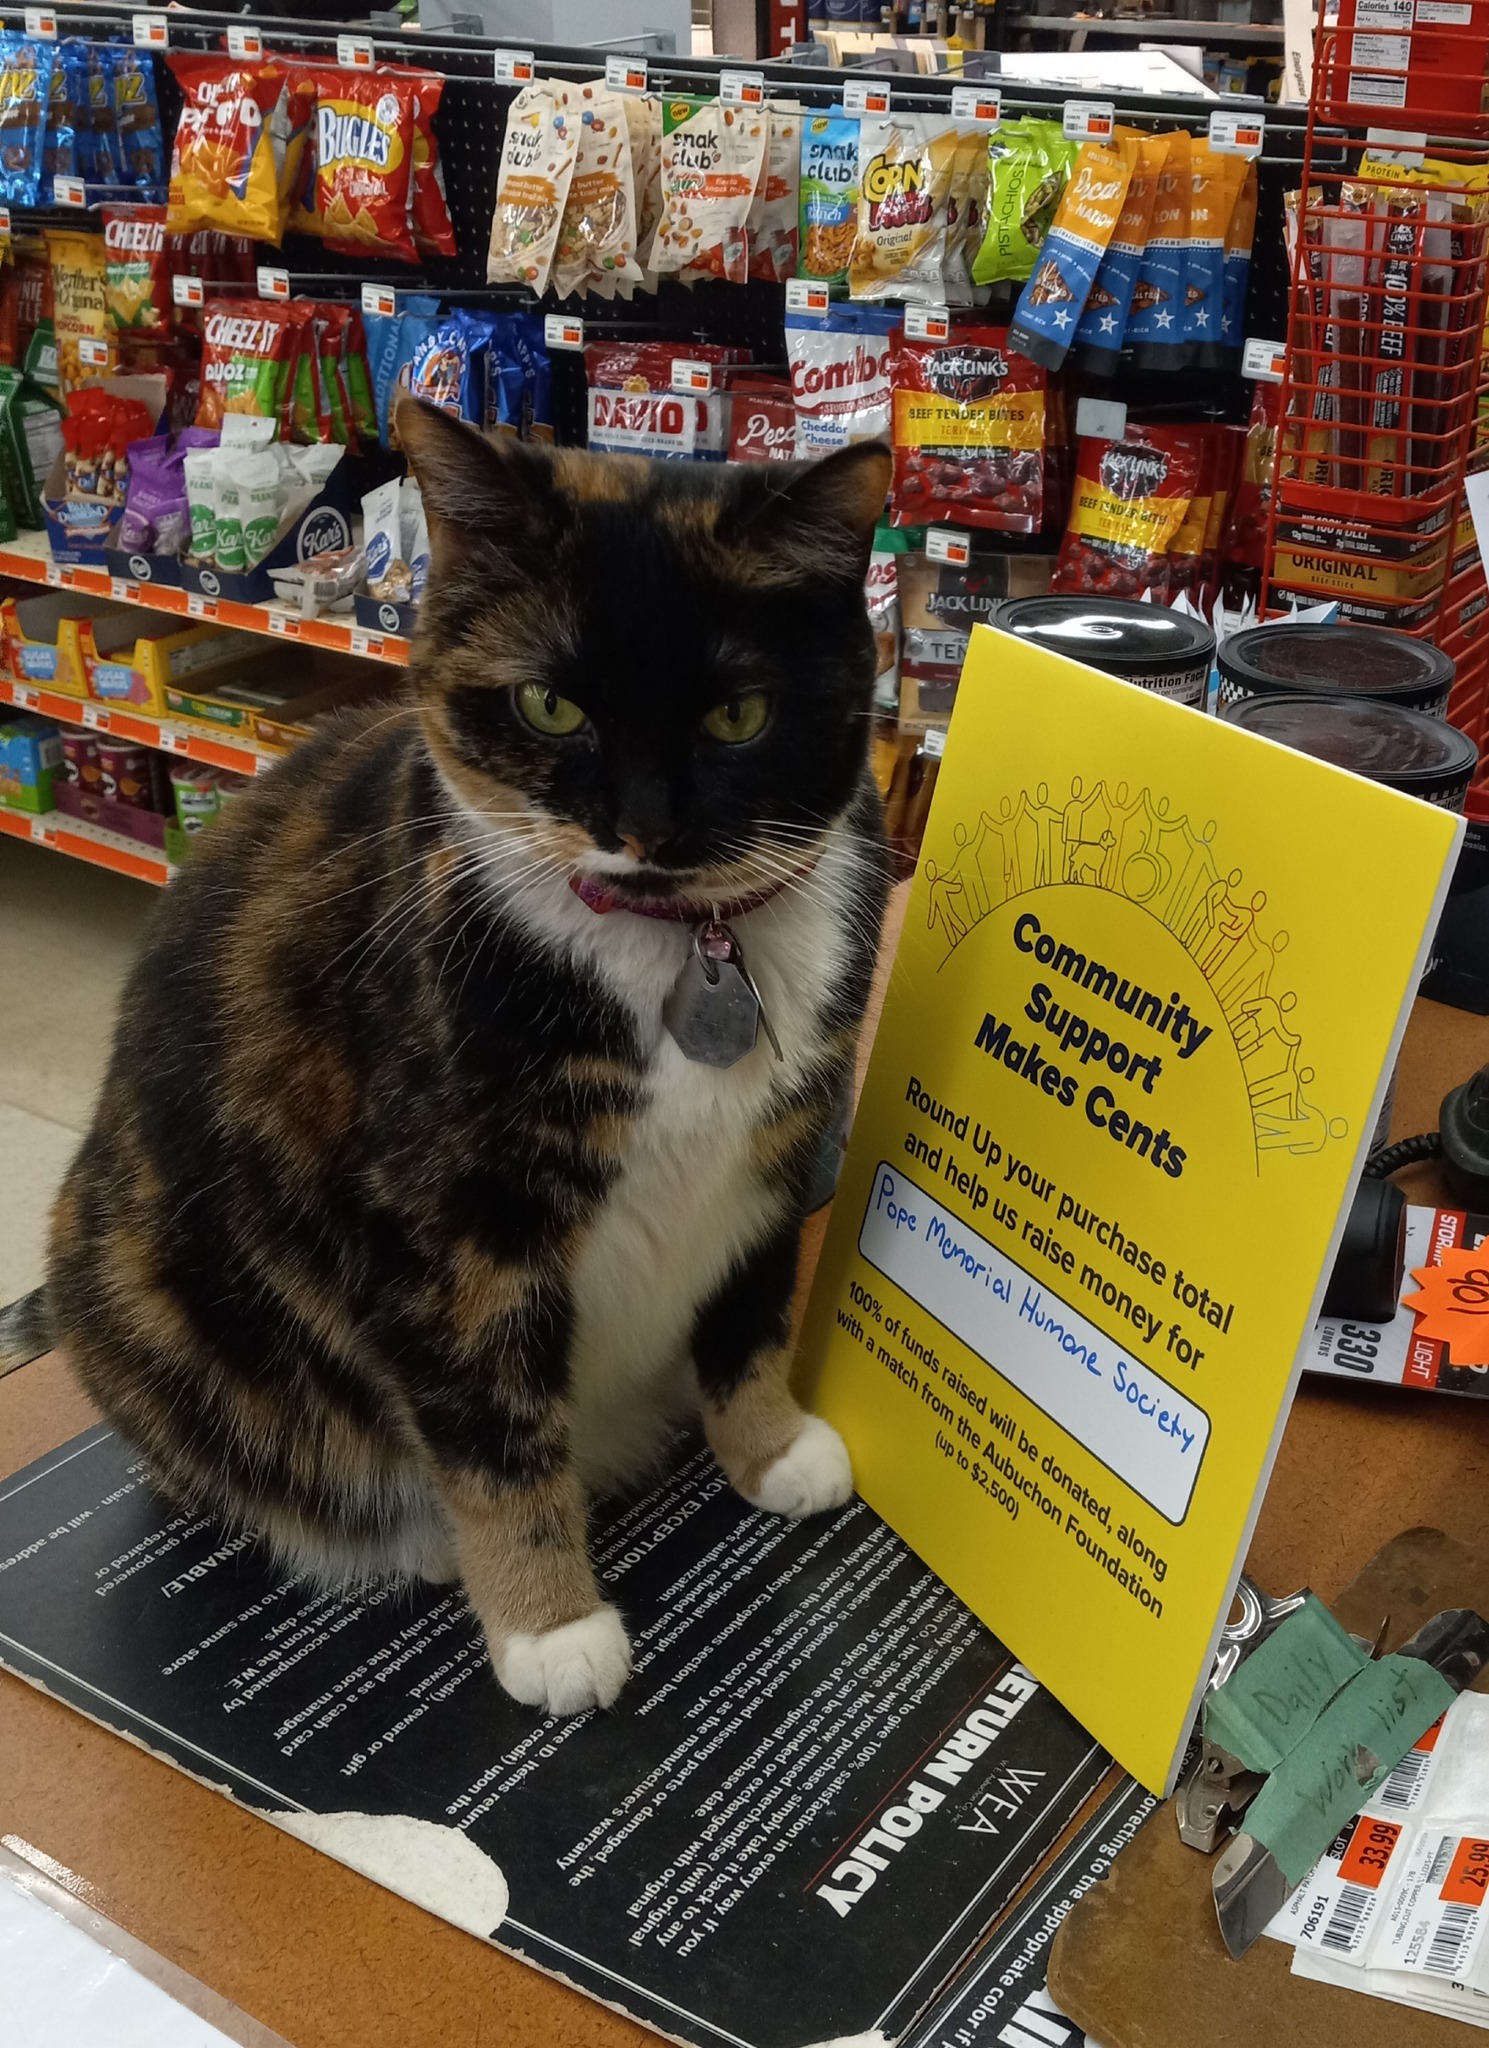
column 691, row 376
column 273, row 283
column 933, row 742
column 1237, row 134
column 561, row 330
column 367, row 643
column 43, row 833
column 380, row 299
column 244, row 42
column 199, row 607
column 125, row 589
column 69, row 191
column 512, row 67
column 865, row 96
column 976, row 103
column 946, row 544
column 25, row 697
column 95, row 718
column 94, row 351
column 41, row 24
column 187, row 291
column 1391, row 145
column 4, row 223
column 625, row 74
column 742, row 88
column 282, row 624
column 927, row 323
column 355, row 53
column 1089, row 120
column 150, row 31
column 1264, row 359
column 805, row 295
column 59, row 576
column 1100, row 419
column 174, row 739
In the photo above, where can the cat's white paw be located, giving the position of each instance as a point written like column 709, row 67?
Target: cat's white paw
column 570, row 1669
column 813, row 1475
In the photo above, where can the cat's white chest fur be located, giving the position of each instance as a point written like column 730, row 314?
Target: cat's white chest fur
column 689, row 1201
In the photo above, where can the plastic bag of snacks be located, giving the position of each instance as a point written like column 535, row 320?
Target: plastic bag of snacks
column 364, row 127
column 30, row 442
column 829, row 196
column 633, row 409
column 597, row 234
column 137, row 279
column 391, row 342
column 96, row 435
column 429, row 204
column 25, row 91
column 140, row 138
column 1131, row 498
column 1028, row 163
column 157, row 516
column 249, row 348
column 397, row 542
column 772, row 223
column 67, row 115
column 1216, row 178
column 1104, row 321
column 906, row 163
column 711, row 161
column 80, row 306
column 1053, row 300
column 1235, row 275
column 1154, row 323
column 538, row 153
column 969, row 433
column 223, row 170
column 964, row 214
column 841, row 375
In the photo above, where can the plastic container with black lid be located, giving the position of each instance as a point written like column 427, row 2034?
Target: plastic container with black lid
column 1164, row 651
column 1356, row 661
column 1405, row 750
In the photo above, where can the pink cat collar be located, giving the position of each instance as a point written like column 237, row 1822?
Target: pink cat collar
column 598, row 897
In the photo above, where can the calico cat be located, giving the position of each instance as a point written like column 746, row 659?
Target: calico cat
column 405, row 1224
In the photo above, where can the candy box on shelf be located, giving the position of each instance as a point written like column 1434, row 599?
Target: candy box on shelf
column 83, row 505
column 149, row 828
column 129, row 661
column 30, row 755
column 42, row 637
column 276, row 704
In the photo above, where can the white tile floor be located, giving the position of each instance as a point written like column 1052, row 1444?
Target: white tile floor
column 68, row 934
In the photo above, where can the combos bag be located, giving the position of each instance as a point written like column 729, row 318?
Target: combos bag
column 968, row 433
column 712, row 157
column 532, row 188
column 1131, row 499
column 841, row 375
column 829, row 196
column 223, row 170
column 1052, row 302
column 906, row 168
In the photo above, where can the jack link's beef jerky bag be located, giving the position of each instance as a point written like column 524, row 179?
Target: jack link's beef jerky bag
column 969, row 432
column 1131, row 498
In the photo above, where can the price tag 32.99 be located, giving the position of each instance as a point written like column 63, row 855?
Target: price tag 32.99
column 1089, row 120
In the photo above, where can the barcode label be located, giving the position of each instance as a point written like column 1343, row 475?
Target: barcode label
column 186, row 291
column 625, row 74
column 41, row 24
column 69, row 191
column 865, row 96
column 1442, row 1861
column 1399, row 1791
column 150, row 31
column 1343, row 1925
column 1450, row 1939
column 273, row 283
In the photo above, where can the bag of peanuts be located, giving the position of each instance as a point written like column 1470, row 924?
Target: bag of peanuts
column 969, row 424
column 711, row 160
column 1132, row 497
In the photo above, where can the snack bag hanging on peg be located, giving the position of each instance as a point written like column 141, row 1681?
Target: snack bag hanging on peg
column 597, row 234
column 538, row 153
column 223, row 171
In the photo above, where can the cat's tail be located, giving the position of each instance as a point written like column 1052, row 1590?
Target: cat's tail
column 25, row 1330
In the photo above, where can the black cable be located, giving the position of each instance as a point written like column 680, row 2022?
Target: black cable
column 1405, row 1152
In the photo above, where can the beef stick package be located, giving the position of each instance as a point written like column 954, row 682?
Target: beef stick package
column 1052, row 302
column 1214, row 188
column 969, row 422
column 1131, row 498
column 1103, row 325
column 1155, row 323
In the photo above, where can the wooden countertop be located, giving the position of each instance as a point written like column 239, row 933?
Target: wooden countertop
column 331, row 1961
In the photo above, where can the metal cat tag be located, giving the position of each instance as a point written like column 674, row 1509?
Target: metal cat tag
column 714, row 1010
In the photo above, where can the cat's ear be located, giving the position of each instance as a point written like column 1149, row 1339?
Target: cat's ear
column 497, row 491
column 819, row 518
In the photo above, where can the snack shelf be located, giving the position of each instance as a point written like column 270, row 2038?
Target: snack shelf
column 30, row 558
column 169, row 735
column 63, row 834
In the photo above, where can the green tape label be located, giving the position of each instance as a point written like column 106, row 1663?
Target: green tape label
column 1275, row 1696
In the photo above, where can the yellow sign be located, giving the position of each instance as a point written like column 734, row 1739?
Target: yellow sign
column 1153, row 975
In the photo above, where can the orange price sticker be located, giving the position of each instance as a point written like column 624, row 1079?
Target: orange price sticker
column 1452, row 1305
column 1468, row 1874
column 1364, row 1861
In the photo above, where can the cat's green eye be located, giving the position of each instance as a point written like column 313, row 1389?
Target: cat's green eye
column 738, row 718
column 546, row 712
